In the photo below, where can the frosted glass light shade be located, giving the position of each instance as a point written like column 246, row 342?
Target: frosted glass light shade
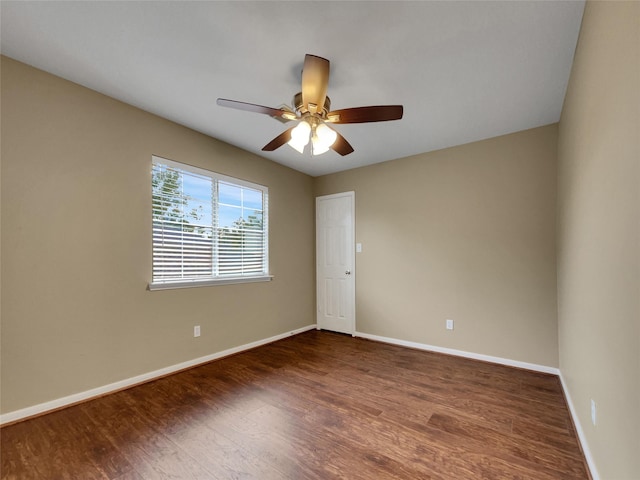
column 300, row 136
column 299, row 146
column 326, row 135
column 322, row 139
column 318, row 147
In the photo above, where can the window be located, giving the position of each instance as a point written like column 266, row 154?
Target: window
column 207, row 228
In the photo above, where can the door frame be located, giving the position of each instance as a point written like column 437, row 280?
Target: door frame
column 352, row 195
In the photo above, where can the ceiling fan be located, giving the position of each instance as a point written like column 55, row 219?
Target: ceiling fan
column 312, row 111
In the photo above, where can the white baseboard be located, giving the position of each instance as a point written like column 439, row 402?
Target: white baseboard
column 129, row 382
column 581, row 436
column 461, row 353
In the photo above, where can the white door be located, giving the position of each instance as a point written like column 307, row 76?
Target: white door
column 335, row 266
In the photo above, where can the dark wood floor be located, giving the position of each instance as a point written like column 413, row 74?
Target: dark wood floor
column 315, row 406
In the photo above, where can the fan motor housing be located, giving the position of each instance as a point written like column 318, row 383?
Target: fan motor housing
column 297, row 104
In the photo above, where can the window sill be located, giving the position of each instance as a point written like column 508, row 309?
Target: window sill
column 208, row 283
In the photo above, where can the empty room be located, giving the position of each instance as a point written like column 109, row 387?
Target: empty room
column 320, row 240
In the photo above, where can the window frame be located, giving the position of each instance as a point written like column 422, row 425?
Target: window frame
column 263, row 276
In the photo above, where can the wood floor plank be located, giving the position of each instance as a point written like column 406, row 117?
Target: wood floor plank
column 331, row 453
column 537, row 453
column 277, row 449
column 313, row 406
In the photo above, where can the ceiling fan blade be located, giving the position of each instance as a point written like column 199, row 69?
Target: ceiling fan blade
column 277, row 142
column 315, row 80
column 380, row 113
column 251, row 107
column 341, row 146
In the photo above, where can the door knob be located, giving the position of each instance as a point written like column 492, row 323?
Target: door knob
column 348, row 272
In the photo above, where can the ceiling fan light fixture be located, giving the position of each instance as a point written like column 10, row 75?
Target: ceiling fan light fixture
column 326, row 134
column 317, row 147
column 323, row 138
column 300, row 136
column 299, row 146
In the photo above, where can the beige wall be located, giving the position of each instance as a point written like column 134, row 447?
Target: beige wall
column 76, row 240
column 466, row 233
column 599, row 235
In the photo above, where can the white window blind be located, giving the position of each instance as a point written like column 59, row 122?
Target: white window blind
column 207, row 228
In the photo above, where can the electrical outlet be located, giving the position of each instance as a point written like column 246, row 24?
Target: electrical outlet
column 593, row 412
column 196, row 331
column 449, row 324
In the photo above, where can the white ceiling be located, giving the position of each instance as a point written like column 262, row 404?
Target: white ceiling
column 464, row 71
